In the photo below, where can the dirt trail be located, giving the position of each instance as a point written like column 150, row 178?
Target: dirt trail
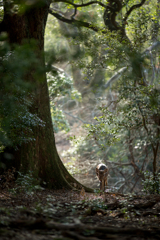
column 71, row 215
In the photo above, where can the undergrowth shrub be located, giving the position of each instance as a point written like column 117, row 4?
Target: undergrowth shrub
column 27, row 184
column 151, row 184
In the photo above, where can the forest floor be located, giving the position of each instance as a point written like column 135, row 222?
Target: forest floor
column 72, row 215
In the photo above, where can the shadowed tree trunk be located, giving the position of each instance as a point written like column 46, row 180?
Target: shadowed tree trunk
column 40, row 155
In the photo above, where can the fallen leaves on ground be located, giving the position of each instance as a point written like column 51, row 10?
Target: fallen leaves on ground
column 70, row 215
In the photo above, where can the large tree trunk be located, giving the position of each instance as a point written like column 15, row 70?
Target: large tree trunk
column 40, row 155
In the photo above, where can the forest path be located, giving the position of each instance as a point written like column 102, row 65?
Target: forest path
column 71, row 215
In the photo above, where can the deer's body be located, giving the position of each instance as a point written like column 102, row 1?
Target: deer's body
column 102, row 174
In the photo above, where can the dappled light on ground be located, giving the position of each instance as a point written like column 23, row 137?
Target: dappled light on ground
column 73, row 215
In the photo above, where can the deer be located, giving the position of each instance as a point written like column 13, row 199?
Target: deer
column 102, row 174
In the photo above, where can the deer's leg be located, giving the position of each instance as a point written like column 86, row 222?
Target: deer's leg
column 100, row 185
column 103, row 185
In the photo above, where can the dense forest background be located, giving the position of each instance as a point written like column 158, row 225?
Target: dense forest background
column 107, row 95
column 79, row 86
column 101, row 59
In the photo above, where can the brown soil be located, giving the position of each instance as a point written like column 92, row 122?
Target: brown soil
column 71, row 215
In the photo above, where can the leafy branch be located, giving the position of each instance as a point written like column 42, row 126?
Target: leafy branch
column 83, row 4
column 75, row 22
column 133, row 8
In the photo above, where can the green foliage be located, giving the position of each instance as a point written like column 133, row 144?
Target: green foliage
column 16, row 97
column 139, row 28
column 137, row 109
column 131, row 129
column 72, row 166
column 79, row 146
column 56, row 47
column 130, row 122
column 26, row 184
column 151, row 184
column 60, row 87
column 58, row 83
column 79, row 154
column 59, row 121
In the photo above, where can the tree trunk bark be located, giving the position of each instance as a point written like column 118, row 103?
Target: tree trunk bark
column 40, row 155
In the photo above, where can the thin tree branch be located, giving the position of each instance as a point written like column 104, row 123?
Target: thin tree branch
column 145, row 160
column 83, row 4
column 120, row 163
column 115, row 77
column 74, row 14
column 75, row 22
column 155, row 45
column 138, row 177
column 134, row 165
column 148, row 51
column 131, row 10
column 153, row 68
column 154, row 149
column 75, row 117
column 110, row 14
